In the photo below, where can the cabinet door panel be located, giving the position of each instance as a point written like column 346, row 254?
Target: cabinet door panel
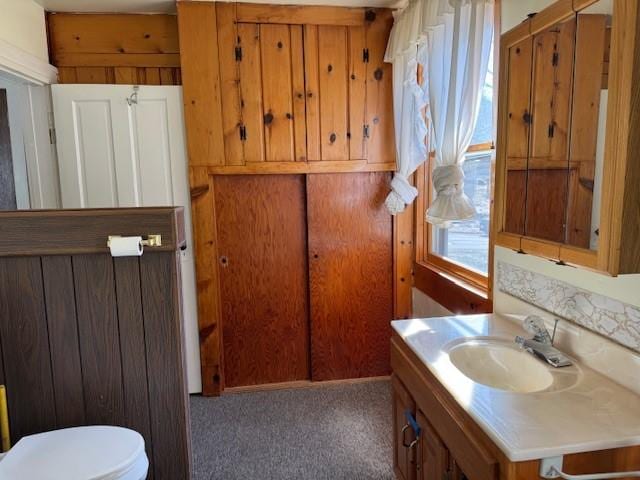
column 263, row 278
column 381, row 141
column 434, row 456
column 277, row 87
column 250, row 70
column 334, row 108
column 349, row 246
column 403, row 463
column 229, row 81
column 357, row 93
column 518, row 121
column 312, row 87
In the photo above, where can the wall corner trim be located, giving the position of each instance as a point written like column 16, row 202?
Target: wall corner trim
column 17, row 62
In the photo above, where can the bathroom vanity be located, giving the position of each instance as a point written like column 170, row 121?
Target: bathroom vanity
column 469, row 403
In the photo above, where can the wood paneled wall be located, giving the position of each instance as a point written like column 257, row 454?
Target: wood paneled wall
column 118, row 48
column 88, row 339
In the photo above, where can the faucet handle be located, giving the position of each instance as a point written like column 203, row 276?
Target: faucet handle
column 535, row 325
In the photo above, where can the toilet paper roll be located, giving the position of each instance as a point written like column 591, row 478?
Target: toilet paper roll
column 125, row 246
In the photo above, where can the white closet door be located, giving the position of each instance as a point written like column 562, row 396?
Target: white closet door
column 112, row 154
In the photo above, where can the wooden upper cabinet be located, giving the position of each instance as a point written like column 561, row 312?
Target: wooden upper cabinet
column 300, row 92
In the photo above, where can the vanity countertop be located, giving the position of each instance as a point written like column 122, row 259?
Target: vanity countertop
column 594, row 414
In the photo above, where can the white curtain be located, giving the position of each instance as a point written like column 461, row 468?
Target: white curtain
column 452, row 40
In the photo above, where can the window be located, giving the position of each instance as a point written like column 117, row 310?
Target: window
column 462, row 250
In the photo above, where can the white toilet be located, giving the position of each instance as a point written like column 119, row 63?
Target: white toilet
column 80, row 453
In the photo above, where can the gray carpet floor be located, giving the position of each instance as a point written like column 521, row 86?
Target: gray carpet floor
column 337, row 432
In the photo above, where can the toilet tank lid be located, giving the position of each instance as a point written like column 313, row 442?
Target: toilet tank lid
column 82, row 453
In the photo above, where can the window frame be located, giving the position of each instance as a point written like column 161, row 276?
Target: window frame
column 450, row 271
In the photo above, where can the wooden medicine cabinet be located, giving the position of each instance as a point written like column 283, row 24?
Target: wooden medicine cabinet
column 567, row 175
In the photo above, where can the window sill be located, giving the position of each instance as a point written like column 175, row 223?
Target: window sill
column 451, row 292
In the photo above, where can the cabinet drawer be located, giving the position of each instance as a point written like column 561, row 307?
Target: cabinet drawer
column 452, row 425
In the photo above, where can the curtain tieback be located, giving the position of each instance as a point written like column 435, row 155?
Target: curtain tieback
column 450, row 203
column 402, row 194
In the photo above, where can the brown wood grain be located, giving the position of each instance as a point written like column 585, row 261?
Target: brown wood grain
column 229, row 82
column 519, row 62
column 333, row 82
column 350, row 246
column 357, row 93
column 516, row 194
column 98, row 334
column 381, row 143
column 263, row 278
column 202, row 88
column 105, row 48
column 459, row 299
column 89, row 339
column 546, row 204
column 299, row 101
column 132, row 348
column 62, row 232
column 25, row 348
column 62, row 324
column 164, row 338
column 250, row 74
column 326, row 166
column 402, row 402
column 471, row 448
column 312, row 82
column 435, row 461
column 277, row 92
column 112, row 33
column 203, row 216
column 300, row 15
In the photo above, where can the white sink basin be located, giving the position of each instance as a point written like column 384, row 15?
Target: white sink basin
column 501, row 364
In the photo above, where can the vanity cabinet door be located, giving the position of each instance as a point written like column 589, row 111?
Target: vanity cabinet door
column 435, row 461
column 403, row 435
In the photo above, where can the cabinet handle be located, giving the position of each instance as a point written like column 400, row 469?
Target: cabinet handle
column 404, row 431
column 268, row 118
column 332, row 138
column 413, row 452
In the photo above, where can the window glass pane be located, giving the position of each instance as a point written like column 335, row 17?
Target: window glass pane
column 467, row 242
column 484, row 127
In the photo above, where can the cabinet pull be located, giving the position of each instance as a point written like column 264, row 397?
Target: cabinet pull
column 404, row 431
column 332, row 138
column 268, row 118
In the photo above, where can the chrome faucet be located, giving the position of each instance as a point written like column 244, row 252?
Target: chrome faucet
column 541, row 345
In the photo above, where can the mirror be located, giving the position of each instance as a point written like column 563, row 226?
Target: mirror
column 557, row 102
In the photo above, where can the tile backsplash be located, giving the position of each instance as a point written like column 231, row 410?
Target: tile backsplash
column 604, row 315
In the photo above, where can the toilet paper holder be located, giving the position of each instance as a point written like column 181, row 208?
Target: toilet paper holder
column 147, row 241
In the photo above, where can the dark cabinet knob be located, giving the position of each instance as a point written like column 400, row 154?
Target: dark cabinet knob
column 332, row 138
column 268, row 118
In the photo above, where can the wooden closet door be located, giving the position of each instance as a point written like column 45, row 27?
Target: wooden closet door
column 350, row 273
column 262, row 243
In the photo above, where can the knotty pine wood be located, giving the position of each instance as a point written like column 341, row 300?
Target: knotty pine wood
column 203, row 215
column 546, row 204
column 229, row 81
column 277, row 91
column 115, row 48
column 250, row 69
column 312, row 85
column 334, row 92
column 299, row 104
column 300, row 15
column 350, row 274
column 357, row 80
column 202, row 88
column 379, row 110
column 262, row 244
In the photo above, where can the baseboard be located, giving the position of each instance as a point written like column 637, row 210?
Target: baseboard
column 300, row 384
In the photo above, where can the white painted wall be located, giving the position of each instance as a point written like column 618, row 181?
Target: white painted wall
column 22, row 24
column 424, row 306
column 515, row 11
